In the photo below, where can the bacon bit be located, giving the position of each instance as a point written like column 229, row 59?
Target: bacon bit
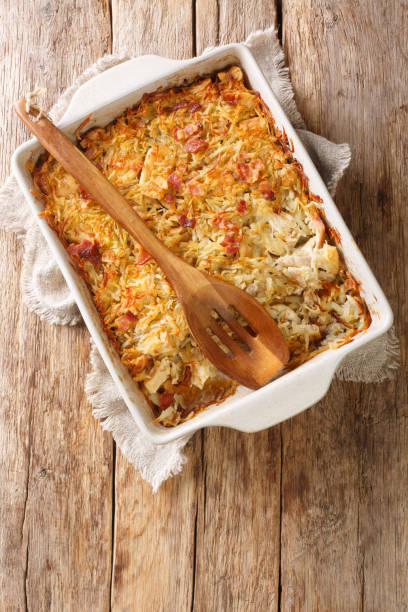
column 84, row 195
column 194, row 107
column 232, row 239
column 126, row 320
column 334, row 234
column 139, row 364
column 174, row 181
column 230, row 98
column 229, row 237
column 191, row 129
column 195, row 144
column 268, row 195
column 176, row 106
column 195, row 189
column 249, row 172
column 220, row 221
column 144, row 257
column 243, row 170
column 257, row 166
column 242, row 207
column 266, row 191
column 166, row 399
column 231, row 249
column 185, row 221
column 86, row 250
column 169, row 198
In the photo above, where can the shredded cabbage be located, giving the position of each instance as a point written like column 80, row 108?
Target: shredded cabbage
column 217, row 182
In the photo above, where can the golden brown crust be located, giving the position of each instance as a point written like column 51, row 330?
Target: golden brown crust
column 216, row 180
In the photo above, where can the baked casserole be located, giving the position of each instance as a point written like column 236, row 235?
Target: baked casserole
column 217, row 182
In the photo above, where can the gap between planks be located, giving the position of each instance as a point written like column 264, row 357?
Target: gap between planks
column 200, row 503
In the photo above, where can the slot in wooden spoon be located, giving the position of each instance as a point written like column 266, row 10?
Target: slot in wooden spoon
column 250, row 353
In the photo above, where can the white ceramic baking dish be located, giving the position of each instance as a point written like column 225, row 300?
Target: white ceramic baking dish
column 106, row 96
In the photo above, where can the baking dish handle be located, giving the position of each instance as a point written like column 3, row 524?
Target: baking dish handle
column 292, row 394
column 117, row 82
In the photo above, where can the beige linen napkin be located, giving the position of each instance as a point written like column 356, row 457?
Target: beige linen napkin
column 45, row 292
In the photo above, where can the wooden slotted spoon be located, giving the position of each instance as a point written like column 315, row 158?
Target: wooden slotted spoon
column 251, row 353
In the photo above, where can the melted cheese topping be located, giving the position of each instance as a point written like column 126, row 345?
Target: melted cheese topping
column 212, row 177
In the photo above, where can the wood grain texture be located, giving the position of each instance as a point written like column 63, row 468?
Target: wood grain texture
column 56, row 465
column 238, row 521
column 219, row 22
column 345, row 464
column 163, row 27
column 311, row 515
column 155, row 534
column 155, row 538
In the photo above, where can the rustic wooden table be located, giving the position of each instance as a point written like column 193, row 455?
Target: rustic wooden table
column 310, row 515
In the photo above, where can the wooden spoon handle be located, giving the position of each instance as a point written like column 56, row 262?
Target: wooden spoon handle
column 94, row 182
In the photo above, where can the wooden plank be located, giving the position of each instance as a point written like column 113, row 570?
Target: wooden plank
column 220, row 23
column 238, row 535
column 163, row 27
column 155, row 534
column 210, row 539
column 345, row 461
column 56, row 465
column 320, row 567
column 238, row 522
column 155, row 538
